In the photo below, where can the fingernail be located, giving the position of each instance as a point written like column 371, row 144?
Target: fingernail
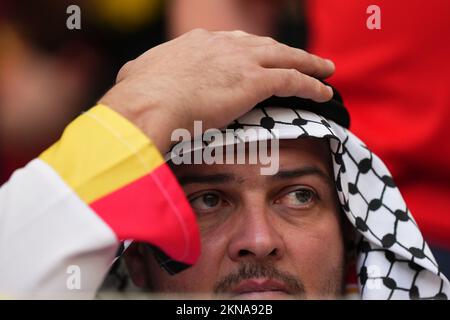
column 331, row 63
column 331, row 91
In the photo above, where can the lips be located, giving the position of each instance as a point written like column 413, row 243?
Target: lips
column 260, row 288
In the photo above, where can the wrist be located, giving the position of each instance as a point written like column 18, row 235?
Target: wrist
column 153, row 118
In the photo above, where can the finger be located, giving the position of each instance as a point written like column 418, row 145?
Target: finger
column 252, row 40
column 234, row 33
column 248, row 39
column 291, row 82
column 282, row 56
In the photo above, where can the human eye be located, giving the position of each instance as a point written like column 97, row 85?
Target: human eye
column 207, row 202
column 300, row 198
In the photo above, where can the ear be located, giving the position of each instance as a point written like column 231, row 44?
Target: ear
column 136, row 265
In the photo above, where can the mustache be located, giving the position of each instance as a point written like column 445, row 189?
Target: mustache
column 258, row 270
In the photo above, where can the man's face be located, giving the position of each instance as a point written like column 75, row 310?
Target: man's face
column 263, row 237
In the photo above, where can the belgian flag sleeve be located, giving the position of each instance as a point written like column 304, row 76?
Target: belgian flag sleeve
column 63, row 216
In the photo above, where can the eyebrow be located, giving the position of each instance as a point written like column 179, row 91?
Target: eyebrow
column 222, row 178
column 304, row 171
column 219, row 178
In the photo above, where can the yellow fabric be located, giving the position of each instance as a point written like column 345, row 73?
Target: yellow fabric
column 100, row 152
column 126, row 15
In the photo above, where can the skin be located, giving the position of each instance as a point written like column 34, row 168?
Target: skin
column 254, row 228
column 173, row 84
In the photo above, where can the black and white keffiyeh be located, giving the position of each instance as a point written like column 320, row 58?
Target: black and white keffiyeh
column 393, row 260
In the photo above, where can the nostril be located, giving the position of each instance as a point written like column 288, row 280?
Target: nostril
column 243, row 253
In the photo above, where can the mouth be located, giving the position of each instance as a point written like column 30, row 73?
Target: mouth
column 260, row 289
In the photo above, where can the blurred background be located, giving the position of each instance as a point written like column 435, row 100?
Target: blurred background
column 394, row 79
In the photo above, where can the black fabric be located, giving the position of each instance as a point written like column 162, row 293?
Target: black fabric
column 171, row 266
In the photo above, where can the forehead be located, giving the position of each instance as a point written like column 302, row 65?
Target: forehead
column 308, row 151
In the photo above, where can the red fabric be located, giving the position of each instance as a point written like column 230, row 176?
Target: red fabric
column 395, row 84
column 153, row 209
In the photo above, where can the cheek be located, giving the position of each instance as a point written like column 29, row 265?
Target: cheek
column 318, row 256
column 199, row 278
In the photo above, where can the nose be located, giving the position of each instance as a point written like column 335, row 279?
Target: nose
column 256, row 236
